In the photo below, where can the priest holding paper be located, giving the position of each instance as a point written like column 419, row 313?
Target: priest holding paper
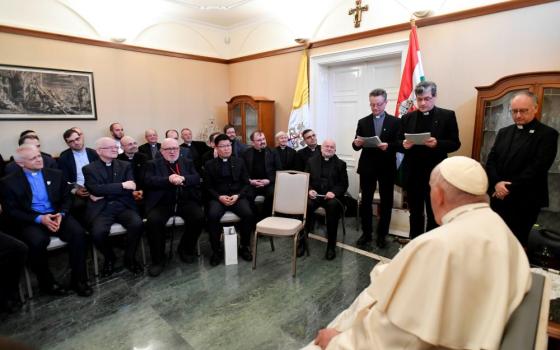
column 376, row 136
column 421, row 157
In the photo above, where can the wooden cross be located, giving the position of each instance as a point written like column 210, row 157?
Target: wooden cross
column 357, row 12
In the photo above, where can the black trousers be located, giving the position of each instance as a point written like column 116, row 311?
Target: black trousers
column 37, row 237
column 368, row 183
column 115, row 212
column 13, row 254
column 418, row 192
column 333, row 211
column 241, row 208
column 190, row 211
column 519, row 215
column 78, row 208
column 266, row 210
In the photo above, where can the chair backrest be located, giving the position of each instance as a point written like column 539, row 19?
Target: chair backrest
column 527, row 325
column 290, row 192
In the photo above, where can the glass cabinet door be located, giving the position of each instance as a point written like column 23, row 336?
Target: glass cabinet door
column 251, row 122
column 550, row 116
column 237, row 119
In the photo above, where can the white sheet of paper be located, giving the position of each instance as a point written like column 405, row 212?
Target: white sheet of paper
column 370, row 142
column 418, row 139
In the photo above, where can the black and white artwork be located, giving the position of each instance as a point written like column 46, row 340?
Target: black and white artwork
column 28, row 93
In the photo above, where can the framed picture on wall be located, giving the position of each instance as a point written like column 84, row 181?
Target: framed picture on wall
column 29, row 93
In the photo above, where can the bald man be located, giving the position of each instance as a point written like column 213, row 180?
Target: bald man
column 136, row 159
column 110, row 183
column 328, row 182
column 152, row 146
column 430, row 294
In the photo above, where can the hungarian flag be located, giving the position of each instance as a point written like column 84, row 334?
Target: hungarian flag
column 299, row 118
column 413, row 73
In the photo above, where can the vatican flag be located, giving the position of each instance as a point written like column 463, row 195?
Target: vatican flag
column 299, row 118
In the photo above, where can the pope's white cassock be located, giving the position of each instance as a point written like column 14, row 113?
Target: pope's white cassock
column 453, row 287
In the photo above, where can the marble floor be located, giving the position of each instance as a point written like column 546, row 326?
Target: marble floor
column 197, row 306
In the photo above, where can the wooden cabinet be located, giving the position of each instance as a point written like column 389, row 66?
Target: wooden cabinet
column 248, row 114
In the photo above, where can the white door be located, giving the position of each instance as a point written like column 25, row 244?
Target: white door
column 348, row 101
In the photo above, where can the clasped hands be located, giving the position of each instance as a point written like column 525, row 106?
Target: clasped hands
column 430, row 142
column 52, row 221
column 501, row 190
column 176, row 179
column 259, row 183
column 228, row 200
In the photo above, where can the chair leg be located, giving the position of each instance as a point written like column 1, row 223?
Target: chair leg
column 358, row 215
column 21, row 293
column 28, row 282
column 95, row 263
column 255, row 249
column 271, row 243
column 294, row 257
column 143, row 251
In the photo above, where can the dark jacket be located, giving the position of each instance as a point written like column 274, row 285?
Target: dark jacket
column 67, row 163
column 157, row 182
column 303, row 155
column 337, row 181
column 525, row 164
column 147, row 150
column 290, row 162
column 373, row 160
column 214, row 181
column 138, row 163
column 271, row 163
column 99, row 184
column 17, row 196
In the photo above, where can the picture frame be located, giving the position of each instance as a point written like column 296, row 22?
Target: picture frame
column 32, row 93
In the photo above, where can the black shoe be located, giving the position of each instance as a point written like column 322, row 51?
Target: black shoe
column 133, row 266
column 245, row 254
column 155, row 270
column 186, row 257
column 10, row 306
column 82, row 289
column 381, row 242
column 363, row 240
column 215, row 259
column 108, row 268
column 330, row 254
column 54, row 289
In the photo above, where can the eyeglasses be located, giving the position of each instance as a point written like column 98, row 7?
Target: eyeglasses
column 520, row 111
column 224, row 146
column 109, row 147
column 169, row 149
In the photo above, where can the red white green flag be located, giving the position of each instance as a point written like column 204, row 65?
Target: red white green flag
column 413, row 73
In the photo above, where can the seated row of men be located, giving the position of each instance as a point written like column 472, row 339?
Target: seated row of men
column 96, row 188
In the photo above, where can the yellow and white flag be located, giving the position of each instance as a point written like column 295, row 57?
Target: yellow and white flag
column 299, row 118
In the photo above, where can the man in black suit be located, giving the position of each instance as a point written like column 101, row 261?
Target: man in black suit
column 518, row 165
column 377, row 164
column 186, row 135
column 152, row 146
column 420, row 159
column 328, row 182
column 71, row 162
column 110, row 183
column 311, row 149
column 32, row 139
column 38, row 201
column 227, row 182
column 137, row 160
column 286, row 154
column 262, row 164
column 237, row 147
column 172, row 187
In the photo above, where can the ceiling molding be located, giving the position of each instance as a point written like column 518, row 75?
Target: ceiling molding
column 425, row 22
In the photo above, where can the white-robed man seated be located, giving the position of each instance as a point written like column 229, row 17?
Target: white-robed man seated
column 454, row 287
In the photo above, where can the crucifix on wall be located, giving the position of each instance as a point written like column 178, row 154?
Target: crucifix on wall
column 357, row 12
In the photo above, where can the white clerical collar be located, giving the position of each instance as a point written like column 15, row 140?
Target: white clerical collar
column 520, row 127
column 453, row 214
column 224, row 159
column 33, row 173
column 108, row 163
column 326, row 159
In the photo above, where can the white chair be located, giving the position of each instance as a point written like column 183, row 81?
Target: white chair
column 290, row 198
column 116, row 230
column 55, row 243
